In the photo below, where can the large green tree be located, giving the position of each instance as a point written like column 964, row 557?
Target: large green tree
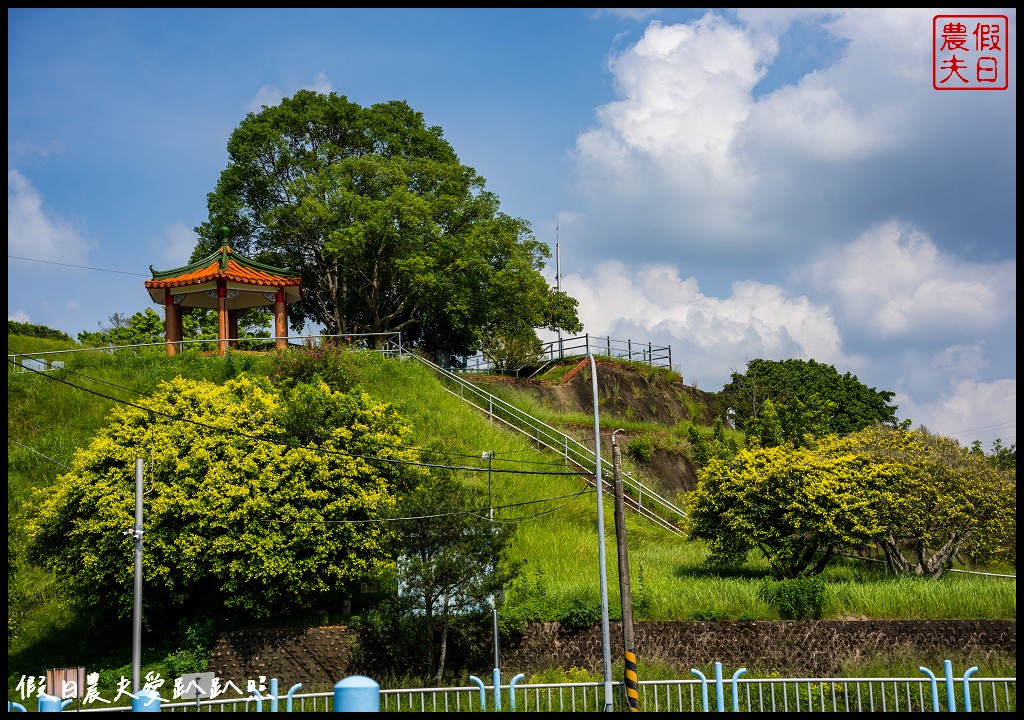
column 387, row 229
column 257, row 502
column 807, row 397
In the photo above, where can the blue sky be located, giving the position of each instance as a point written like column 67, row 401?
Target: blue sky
column 737, row 184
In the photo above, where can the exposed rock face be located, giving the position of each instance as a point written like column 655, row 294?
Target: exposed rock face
column 627, row 393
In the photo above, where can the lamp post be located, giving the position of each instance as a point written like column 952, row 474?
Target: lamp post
column 605, row 630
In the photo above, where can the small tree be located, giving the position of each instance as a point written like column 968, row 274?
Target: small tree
column 448, row 558
column 947, row 499
column 141, row 328
column 799, row 507
column 508, row 351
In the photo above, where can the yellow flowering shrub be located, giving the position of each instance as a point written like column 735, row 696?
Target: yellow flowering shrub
column 241, row 513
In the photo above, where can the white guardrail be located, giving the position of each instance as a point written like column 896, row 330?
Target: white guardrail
column 638, row 496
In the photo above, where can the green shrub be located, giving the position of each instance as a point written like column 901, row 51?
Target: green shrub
column 327, row 361
column 526, row 600
column 580, row 614
column 641, row 449
column 39, row 331
column 800, row 598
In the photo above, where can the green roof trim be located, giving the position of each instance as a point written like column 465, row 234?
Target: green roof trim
column 223, row 255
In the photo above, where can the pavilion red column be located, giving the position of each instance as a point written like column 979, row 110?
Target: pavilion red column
column 280, row 320
column 233, row 327
column 222, row 314
column 172, row 323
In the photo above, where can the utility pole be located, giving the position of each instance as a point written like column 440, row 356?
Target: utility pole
column 632, row 680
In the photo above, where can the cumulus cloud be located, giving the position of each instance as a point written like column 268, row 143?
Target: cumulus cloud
column 895, row 282
column 19, row 315
column 691, row 159
column 654, row 303
column 34, row 232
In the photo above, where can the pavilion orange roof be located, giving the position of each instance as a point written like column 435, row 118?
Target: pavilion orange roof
column 226, row 264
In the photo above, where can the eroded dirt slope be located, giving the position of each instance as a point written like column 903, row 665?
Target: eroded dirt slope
column 628, row 394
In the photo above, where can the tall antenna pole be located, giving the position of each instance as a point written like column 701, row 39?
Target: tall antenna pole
column 558, row 285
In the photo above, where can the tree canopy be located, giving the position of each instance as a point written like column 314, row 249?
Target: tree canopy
column 257, row 502
column 807, row 397
column 387, row 229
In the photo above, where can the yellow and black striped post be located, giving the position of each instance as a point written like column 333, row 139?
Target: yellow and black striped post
column 632, row 683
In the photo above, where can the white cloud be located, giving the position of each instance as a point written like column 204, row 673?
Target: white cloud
column 175, row 247
column 271, row 95
column 894, row 281
column 968, row 410
column 35, row 233
column 814, row 120
column 638, row 14
column 19, row 315
column 710, row 336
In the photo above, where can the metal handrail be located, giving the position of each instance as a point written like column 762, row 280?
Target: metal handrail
column 659, row 356
column 573, row 451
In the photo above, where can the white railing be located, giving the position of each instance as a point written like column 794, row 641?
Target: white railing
column 390, row 344
column 736, row 694
column 638, row 496
column 659, row 356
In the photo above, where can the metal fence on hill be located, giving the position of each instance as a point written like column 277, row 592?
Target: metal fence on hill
column 659, row 356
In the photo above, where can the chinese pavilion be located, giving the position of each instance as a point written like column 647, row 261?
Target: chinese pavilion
column 228, row 282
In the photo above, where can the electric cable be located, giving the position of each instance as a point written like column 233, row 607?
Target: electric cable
column 282, row 443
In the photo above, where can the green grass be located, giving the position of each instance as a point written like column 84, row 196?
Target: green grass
column 556, row 534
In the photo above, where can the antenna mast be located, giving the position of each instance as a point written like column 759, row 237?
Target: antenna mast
column 558, row 285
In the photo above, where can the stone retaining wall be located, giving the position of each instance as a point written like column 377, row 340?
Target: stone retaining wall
column 797, row 648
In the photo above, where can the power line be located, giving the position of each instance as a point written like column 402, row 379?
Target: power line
column 83, row 267
column 56, row 462
column 282, row 443
column 441, row 453
column 475, row 513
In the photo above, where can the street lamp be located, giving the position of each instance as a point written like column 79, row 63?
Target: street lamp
column 603, row 573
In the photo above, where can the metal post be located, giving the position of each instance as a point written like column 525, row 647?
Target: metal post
column 605, row 631
column 137, row 609
column 489, row 454
column 558, row 286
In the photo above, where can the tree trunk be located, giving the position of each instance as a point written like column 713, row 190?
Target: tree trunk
column 444, row 643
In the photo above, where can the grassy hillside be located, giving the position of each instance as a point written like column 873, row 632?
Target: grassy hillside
column 51, row 415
